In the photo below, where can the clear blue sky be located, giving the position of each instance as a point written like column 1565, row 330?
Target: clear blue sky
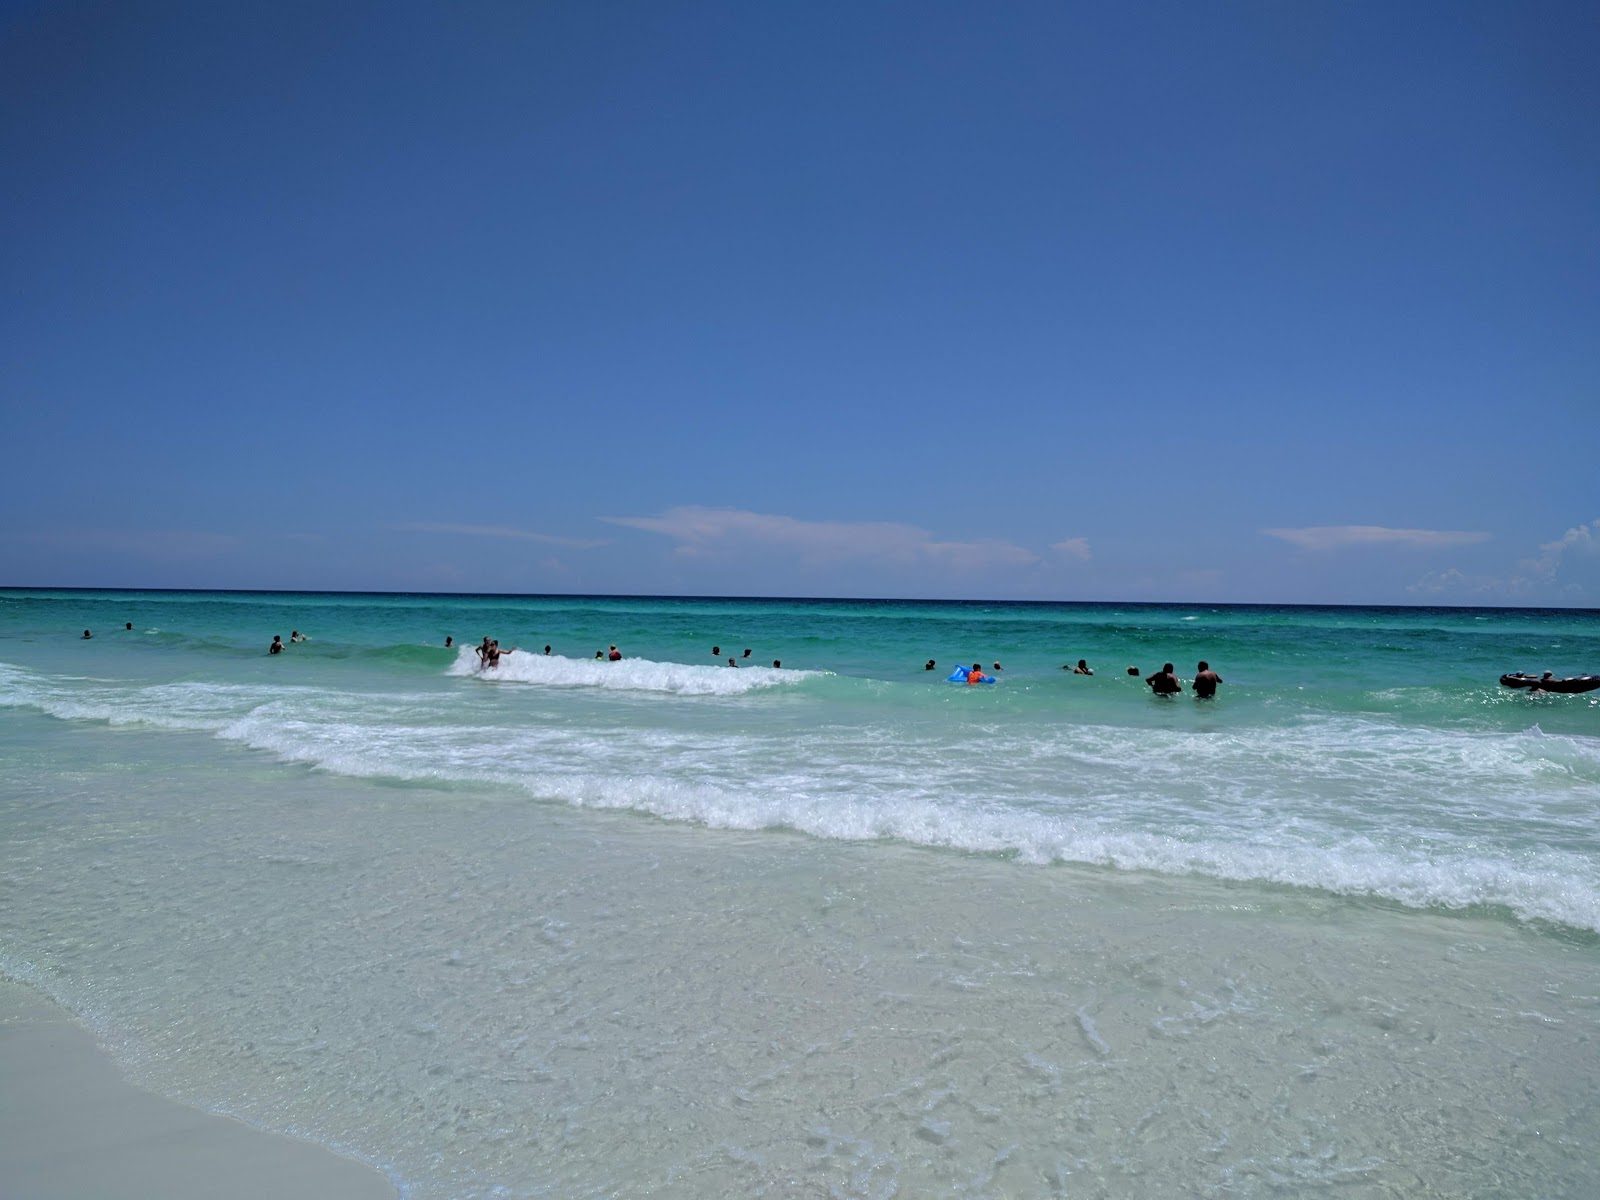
column 1232, row 301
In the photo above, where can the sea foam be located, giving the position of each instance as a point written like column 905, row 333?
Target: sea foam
column 1352, row 806
column 626, row 675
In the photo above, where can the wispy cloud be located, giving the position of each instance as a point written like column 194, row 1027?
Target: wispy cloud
column 1337, row 537
column 701, row 530
column 496, row 531
column 1581, row 538
column 1077, row 547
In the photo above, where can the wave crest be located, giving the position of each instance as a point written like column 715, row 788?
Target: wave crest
column 628, row 675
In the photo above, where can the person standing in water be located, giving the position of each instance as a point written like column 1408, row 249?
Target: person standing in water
column 614, row 655
column 1205, row 681
column 1081, row 669
column 1164, row 682
column 275, row 648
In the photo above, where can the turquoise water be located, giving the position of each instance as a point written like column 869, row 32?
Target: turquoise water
column 877, row 933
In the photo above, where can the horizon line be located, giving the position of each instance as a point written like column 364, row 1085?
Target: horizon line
column 805, row 599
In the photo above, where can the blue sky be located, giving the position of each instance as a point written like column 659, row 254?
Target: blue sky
column 1235, row 301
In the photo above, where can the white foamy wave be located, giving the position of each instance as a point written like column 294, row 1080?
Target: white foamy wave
column 1535, row 884
column 1348, row 806
column 628, row 675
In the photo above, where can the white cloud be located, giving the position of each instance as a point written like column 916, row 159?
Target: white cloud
column 1336, row 537
column 699, row 530
column 1580, row 538
column 496, row 531
column 1453, row 581
column 1077, row 547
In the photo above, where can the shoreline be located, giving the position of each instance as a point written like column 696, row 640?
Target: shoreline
column 71, row 1125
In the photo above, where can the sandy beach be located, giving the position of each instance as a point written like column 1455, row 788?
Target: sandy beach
column 72, row 1127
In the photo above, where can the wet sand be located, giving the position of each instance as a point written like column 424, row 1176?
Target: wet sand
column 71, row 1127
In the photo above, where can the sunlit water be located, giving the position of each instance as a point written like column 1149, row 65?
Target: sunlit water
column 669, row 927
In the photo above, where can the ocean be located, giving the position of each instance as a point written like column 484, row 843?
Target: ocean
column 839, row 927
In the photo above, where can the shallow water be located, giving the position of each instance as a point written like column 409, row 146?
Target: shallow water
column 894, row 936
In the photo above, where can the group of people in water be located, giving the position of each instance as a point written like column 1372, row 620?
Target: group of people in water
column 295, row 638
column 1163, row 683
column 1166, row 683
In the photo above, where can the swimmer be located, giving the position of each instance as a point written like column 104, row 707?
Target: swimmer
column 928, row 666
column 129, row 625
column 1081, row 669
column 449, row 642
column 1134, row 671
column 733, row 662
column 87, row 635
column 998, row 667
column 975, row 675
column 599, row 655
column 493, row 657
column 776, row 665
column 294, row 636
column 1205, row 681
column 746, row 652
column 275, row 648
column 1164, row 682
column 716, row 652
column 483, row 651
column 615, row 655
column 547, row 649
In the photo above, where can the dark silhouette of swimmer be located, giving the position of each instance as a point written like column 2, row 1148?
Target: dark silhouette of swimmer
column 733, row 662
column 547, row 649
column 1134, row 671
column 275, row 648
column 776, row 664
column 746, row 652
column 716, row 652
column 1082, row 668
column 1164, row 682
column 1205, row 681
column 615, row 655
column 448, row 642
column 599, row 655
column 998, row 667
column 294, row 636
column 129, row 625
column 928, row 666
column 87, row 635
